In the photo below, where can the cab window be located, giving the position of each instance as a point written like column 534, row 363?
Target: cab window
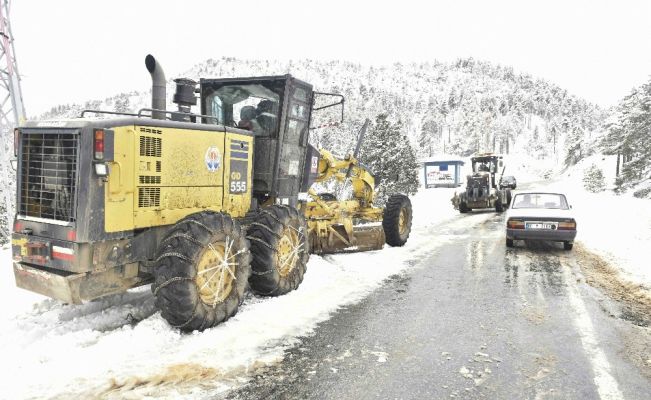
column 253, row 107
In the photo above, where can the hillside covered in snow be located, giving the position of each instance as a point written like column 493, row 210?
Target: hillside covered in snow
column 455, row 108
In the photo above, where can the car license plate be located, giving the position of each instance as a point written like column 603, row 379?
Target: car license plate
column 539, row 225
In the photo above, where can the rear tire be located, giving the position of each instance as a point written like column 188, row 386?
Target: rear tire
column 498, row 205
column 509, row 242
column 396, row 220
column 568, row 245
column 279, row 246
column 187, row 291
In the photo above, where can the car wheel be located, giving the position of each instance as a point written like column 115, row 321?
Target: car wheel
column 509, row 242
column 568, row 245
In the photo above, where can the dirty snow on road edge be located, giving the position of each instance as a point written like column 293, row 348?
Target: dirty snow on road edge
column 53, row 349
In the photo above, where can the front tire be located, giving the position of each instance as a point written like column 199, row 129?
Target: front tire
column 396, row 220
column 463, row 208
column 201, row 271
column 279, row 246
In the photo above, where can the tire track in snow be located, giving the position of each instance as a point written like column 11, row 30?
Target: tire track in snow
column 606, row 385
column 352, row 271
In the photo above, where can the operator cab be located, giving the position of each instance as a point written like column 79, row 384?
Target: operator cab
column 487, row 163
column 277, row 110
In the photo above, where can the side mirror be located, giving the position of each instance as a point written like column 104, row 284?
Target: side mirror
column 14, row 164
column 570, row 206
column 501, row 163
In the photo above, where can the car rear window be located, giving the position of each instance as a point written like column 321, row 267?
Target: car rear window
column 540, row 200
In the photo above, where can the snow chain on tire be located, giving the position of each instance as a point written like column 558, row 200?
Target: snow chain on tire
column 278, row 235
column 182, row 252
column 396, row 220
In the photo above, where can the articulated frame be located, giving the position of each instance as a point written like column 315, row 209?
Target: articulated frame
column 331, row 222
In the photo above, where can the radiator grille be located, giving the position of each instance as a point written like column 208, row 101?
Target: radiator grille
column 150, row 146
column 148, row 197
column 149, row 180
column 48, row 175
column 151, row 130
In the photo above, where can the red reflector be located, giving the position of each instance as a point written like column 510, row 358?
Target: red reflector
column 515, row 224
column 18, row 227
column 99, row 144
column 566, row 226
column 63, row 253
column 63, row 256
column 72, row 235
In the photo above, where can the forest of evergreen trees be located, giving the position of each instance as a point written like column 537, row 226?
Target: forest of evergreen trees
column 454, row 108
column 629, row 137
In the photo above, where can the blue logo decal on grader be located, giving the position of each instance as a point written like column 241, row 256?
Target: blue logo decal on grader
column 213, row 159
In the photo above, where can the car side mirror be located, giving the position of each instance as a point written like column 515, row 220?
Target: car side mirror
column 570, row 206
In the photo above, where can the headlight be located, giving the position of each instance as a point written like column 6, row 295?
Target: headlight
column 101, row 169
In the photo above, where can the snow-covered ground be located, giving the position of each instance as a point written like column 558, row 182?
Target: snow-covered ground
column 617, row 227
column 51, row 350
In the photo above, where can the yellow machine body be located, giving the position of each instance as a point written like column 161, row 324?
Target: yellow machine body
column 161, row 175
column 333, row 224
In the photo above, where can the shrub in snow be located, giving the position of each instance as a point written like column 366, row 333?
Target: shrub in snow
column 643, row 191
column 593, row 179
column 386, row 152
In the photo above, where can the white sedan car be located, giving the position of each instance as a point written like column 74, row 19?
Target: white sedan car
column 540, row 216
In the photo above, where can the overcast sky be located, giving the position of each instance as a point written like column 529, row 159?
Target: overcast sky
column 75, row 50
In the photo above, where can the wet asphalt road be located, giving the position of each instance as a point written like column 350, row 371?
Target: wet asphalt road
column 472, row 320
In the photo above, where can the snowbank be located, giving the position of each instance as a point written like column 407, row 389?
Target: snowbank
column 51, row 349
column 617, row 227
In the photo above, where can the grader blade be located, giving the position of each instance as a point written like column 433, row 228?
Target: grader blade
column 364, row 238
column 369, row 237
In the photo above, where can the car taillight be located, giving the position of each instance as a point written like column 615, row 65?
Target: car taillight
column 16, row 141
column 515, row 224
column 99, row 144
column 567, row 225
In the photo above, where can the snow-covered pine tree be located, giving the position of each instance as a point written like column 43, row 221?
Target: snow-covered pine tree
column 629, row 135
column 593, row 179
column 574, row 152
column 391, row 159
column 122, row 103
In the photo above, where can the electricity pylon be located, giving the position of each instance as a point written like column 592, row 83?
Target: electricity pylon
column 12, row 114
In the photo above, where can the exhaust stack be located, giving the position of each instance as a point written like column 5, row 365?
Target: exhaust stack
column 158, row 88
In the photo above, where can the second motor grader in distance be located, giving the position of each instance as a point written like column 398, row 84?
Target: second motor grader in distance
column 482, row 186
column 200, row 205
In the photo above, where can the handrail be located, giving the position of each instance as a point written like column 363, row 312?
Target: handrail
column 106, row 112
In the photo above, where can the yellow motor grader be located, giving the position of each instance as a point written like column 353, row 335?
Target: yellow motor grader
column 201, row 205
